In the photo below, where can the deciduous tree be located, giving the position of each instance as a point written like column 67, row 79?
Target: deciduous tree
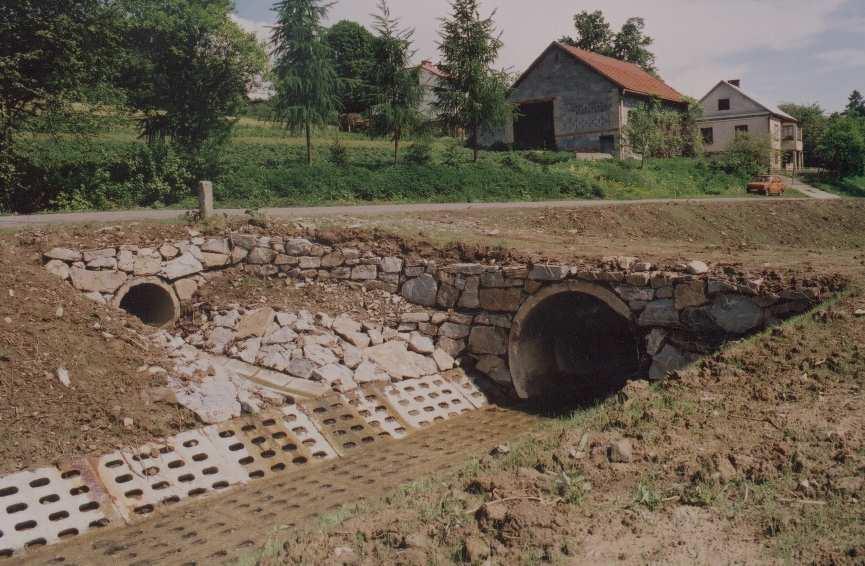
column 630, row 43
column 842, row 146
column 51, row 54
column 353, row 48
column 813, row 121
column 188, row 67
column 307, row 84
column 593, row 32
column 471, row 94
column 642, row 132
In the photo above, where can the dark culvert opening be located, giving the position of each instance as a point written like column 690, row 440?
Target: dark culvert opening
column 150, row 303
column 574, row 347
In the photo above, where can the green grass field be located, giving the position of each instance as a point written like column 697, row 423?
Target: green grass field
column 848, row 187
column 264, row 166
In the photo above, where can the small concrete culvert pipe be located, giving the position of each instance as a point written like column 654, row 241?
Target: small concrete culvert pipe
column 573, row 340
column 150, row 299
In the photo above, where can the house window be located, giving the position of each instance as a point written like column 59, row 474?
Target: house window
column 741, row 130
column 708, row 135
column 789, row 132
column 724, row 104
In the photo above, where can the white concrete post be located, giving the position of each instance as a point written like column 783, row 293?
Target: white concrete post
column 205, row 199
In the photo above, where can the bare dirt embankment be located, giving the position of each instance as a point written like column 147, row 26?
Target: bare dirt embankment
column 45, row 327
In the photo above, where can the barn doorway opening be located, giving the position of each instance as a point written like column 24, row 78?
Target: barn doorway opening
column 573, row 343
column 534, row 127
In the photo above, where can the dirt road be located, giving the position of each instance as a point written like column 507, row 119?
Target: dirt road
column 24, row 221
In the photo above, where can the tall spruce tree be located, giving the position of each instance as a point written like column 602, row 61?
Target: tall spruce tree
column 472, row 94
column 307, row 85
column 396, row 82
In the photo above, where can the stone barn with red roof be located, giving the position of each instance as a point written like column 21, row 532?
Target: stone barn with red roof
column 572, row 99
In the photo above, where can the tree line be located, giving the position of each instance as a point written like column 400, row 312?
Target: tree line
column 321, row 72
column 181, row 70
column 836, row 141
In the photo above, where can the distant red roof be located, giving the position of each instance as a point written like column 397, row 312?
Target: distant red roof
column 626, row 75
column 431, row 67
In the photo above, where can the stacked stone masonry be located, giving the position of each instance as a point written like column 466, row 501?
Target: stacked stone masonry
column 465, row 310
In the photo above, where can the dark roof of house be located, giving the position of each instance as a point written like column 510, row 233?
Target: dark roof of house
column 626, row 75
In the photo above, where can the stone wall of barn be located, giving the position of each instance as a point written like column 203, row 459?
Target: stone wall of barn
column 586, row 105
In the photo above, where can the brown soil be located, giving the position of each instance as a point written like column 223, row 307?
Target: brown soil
column 234, row 286
column 43, row 421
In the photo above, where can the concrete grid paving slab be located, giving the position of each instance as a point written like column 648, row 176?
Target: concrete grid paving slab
column 473, row 388
column 372, row 406
column 163, row 473
column 262, row 446
column 426, row 400
column 308, row 432
column 342, row 424
column 46, row 505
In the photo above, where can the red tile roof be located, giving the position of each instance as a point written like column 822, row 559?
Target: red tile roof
column 626, row 75
column 431, row 67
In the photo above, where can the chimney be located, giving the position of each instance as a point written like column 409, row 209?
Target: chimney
column 735, row 82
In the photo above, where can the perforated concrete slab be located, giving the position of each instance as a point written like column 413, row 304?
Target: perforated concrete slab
column 473, row 388
column 372, row 406
column 163, row 473
column 343, row 426
column 262, row 446
column 46, row 505
column 309, row 434
column 426, row 400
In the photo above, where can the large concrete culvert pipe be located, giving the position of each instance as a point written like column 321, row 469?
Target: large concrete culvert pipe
column 150, row 299
column 574, row 341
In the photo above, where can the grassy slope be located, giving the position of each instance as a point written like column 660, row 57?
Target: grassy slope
column 264, row 166
column 265, row 162
column 849, row 187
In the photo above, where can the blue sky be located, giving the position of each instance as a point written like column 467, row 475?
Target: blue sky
column 783, row 50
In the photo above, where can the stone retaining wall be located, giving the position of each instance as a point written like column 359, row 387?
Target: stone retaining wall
column 469, row 309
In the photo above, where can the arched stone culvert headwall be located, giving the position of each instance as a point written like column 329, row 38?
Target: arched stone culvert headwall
column 573, row 338
column 469, row 311
column 149, row 299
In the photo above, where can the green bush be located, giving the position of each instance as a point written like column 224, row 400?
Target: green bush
column 548, row 157
column 419, row 153
column 746, row 156
column 71, row 175
column 338, row 153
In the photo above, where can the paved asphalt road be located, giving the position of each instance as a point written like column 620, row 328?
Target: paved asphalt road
column 812, row 192
column 24, row 221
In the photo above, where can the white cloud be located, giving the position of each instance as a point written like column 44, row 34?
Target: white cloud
column 837, row 59
column 697, row 42
column 261, row 30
